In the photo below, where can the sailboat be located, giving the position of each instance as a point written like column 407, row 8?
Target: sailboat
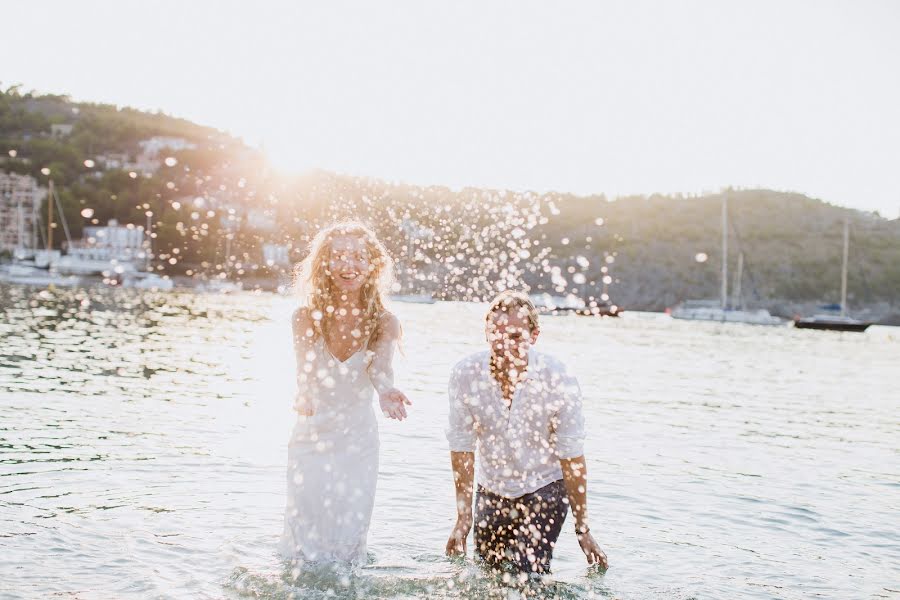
column 147, row 279
column 222, row 284
column 712, row 310
column 839, row 322
column 416, row 294
column 41, row 269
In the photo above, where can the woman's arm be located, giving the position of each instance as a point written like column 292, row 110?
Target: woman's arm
column 381, row 371
column 302, row 327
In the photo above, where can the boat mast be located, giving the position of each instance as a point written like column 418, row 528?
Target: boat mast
column 50, row 220
column 724, row 251
column 62, row 215
column 20, row 234
column 149, row 251
column 844, row 269
column 737, row 301
column 35, row 229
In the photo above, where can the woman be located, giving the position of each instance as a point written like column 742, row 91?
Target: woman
column 344, row 341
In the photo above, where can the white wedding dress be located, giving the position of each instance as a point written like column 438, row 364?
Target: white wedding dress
column 332, row 464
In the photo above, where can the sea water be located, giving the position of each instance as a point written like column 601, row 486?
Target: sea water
column 143, row 448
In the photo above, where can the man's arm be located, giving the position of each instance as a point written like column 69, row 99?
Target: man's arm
column 570, row 433
column 575, row 478
column 463, row 464
column 461, row 435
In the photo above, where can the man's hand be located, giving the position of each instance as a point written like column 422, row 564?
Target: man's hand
column 393, row 403
column 595, row 556
column 456, row 545
column 304, row 405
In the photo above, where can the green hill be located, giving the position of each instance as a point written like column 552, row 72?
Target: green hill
column 471, row 242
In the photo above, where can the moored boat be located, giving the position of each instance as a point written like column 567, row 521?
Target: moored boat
column 832, row 323
column 839, row 322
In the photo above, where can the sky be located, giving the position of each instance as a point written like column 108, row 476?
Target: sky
column 585, row 97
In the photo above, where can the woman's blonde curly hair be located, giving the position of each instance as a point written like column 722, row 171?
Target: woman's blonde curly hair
column 317, row 291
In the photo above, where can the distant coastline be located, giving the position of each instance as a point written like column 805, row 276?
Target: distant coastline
column 218, row 210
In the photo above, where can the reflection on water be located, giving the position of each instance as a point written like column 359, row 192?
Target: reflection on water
column 143, row 445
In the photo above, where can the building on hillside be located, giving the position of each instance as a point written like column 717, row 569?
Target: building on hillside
column 113, row 160
column 61, row 130
column 276, row 255
column 144, row 165
column 153, row 153
column 262, row 220
column 153, row 146
column 20, row 201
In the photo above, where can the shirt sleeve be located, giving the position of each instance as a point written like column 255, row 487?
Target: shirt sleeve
column 569, row 422
column 461, row 432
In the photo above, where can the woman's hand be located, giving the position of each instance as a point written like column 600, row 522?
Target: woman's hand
column 303, row 405
column 393, row 403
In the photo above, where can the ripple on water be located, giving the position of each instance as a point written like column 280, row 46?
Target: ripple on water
column 142, row 443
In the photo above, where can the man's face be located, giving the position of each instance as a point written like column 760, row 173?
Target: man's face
column 509, row 334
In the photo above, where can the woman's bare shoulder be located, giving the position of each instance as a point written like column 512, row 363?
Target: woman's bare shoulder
column 301, row 318
column 389, row 325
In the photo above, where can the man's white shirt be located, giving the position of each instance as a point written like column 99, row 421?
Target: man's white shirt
column 519, row 447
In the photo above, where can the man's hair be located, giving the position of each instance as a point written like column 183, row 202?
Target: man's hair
column 512, row 302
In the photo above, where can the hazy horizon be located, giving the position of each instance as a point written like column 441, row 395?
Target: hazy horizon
column 586, row 98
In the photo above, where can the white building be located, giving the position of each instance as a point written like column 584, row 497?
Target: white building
column 276, row 255
column 61, row 130
column 20, row 201
column 153, row 146
column 262, row 220
column 145, row 165
column 153, row 152
column 113, row 160
column 112, row 248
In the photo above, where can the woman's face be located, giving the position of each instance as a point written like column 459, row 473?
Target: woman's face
column 349, row 264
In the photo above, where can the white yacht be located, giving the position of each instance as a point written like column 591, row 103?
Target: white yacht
column 557, row 305
column 711, row 310
column 721, row 310
column 36, row 267
column 219, row 286
column 143, row 280
column 413, row 298
column 24, row 274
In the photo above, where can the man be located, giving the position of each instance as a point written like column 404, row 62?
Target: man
column 523, row 413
